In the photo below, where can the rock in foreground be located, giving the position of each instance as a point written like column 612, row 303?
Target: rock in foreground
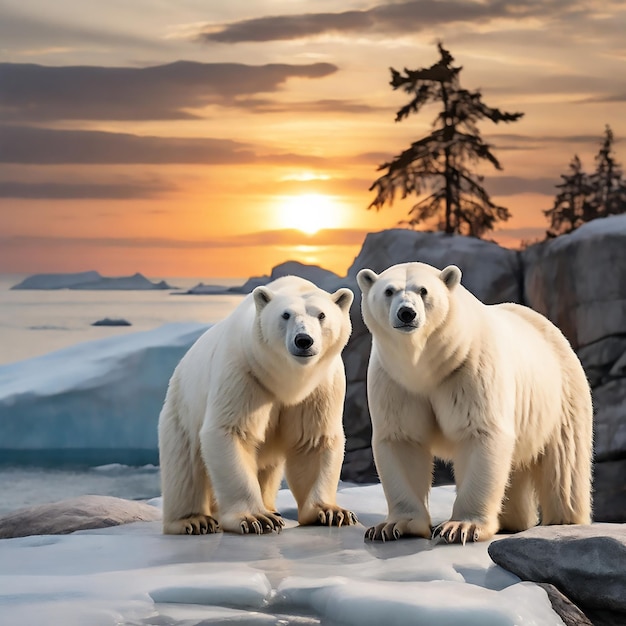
column 67, row 516
column 586, row 563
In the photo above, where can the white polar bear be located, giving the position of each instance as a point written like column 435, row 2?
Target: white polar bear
column 259, row 392
column 496, row 389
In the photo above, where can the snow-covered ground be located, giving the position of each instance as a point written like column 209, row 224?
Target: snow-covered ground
column 134, row 575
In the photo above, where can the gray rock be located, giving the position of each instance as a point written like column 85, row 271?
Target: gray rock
column 325, row 279
column 586, row 300
column 564, row 607
column 490, row 272
column 67, row 516
column 586, row 563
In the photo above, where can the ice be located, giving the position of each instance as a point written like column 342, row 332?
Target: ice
column 305, row 575
column 95, row 402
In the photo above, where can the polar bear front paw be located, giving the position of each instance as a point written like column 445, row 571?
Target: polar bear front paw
column 332, row 515
column 254, row 523
column 192, row 525
column 461, row 532
column 396, row 529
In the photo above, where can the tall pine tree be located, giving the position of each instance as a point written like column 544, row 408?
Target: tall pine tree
column 439, row 164
column 607, row 182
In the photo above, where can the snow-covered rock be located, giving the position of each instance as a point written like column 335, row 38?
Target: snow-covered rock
column 132, row 574
column 89, row 281
column 96, row 402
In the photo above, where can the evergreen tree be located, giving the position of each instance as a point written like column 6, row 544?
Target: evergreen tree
column 583, row 197
column 607, row 182
column 572, row 206
column 439, row 164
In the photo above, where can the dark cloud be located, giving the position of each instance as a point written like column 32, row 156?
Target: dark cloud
column 389, row 19
column 29, row 145
column 286, row 237
column 163, row 92
column 79, row 191
column 42, row 146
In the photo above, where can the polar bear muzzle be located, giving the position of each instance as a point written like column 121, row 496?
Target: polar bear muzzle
column 303, row 346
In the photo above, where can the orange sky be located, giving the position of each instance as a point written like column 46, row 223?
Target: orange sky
column 112, row 158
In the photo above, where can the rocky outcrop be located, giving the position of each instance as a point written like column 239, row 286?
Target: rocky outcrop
column 67, row 516
column 585, row 563
column 318, row 275
column 578, row 281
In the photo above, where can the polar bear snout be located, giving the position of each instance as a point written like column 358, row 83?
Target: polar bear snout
column 303, row 346
column 406, row 314
column 406, row 318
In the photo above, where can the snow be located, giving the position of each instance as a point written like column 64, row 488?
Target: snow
column 104, row 396
column 135, row 575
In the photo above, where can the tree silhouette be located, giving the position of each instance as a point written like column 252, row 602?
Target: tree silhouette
column 608, row 194
column 438, row 164
column 571, row 206
column 585, row 197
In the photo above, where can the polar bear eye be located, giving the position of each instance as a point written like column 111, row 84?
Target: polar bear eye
column 389, row 292
column 321, row 316
column 286, row 315
column 423, row 292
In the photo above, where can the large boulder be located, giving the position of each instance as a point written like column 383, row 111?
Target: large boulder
column 579, row 282
column 490, row 272
column 586, row 563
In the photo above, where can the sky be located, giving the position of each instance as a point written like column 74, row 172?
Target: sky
column 220, row 138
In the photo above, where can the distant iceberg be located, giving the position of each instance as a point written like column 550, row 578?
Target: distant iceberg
column 93, row 403
column 91, row 280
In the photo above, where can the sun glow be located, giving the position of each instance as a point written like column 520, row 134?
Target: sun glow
column 308, row 213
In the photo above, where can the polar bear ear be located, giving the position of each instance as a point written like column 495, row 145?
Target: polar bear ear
column 343, row 298
column 451, row 276
column 262, row 296
column 366, row 278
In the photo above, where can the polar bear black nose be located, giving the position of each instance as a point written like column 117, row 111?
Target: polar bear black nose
column 406, row 314
column 303, row 341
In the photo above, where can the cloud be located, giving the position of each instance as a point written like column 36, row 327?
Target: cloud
column 78, row 191
column 286, row 237
column 514, row 185
column 42, row 146
column 389, row 19
column 163, row 92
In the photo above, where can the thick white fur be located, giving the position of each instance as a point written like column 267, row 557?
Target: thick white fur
column 241, row 408
column 496, row 389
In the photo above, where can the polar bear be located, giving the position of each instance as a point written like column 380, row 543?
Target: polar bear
column 495, row 389
column 260, row 392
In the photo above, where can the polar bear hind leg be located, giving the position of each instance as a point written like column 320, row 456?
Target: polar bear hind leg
column 184, row 482
column 563, row 479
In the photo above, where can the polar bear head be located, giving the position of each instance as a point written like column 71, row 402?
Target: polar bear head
column 407, row 297
column 297, row 319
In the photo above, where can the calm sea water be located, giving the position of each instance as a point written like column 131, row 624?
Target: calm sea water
column 36, row 322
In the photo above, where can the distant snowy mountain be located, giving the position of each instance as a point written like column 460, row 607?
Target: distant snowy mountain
column 89, row 281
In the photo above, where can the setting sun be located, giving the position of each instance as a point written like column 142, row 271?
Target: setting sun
column 309, row 213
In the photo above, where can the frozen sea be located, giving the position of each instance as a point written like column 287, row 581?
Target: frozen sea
column 36, row 322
